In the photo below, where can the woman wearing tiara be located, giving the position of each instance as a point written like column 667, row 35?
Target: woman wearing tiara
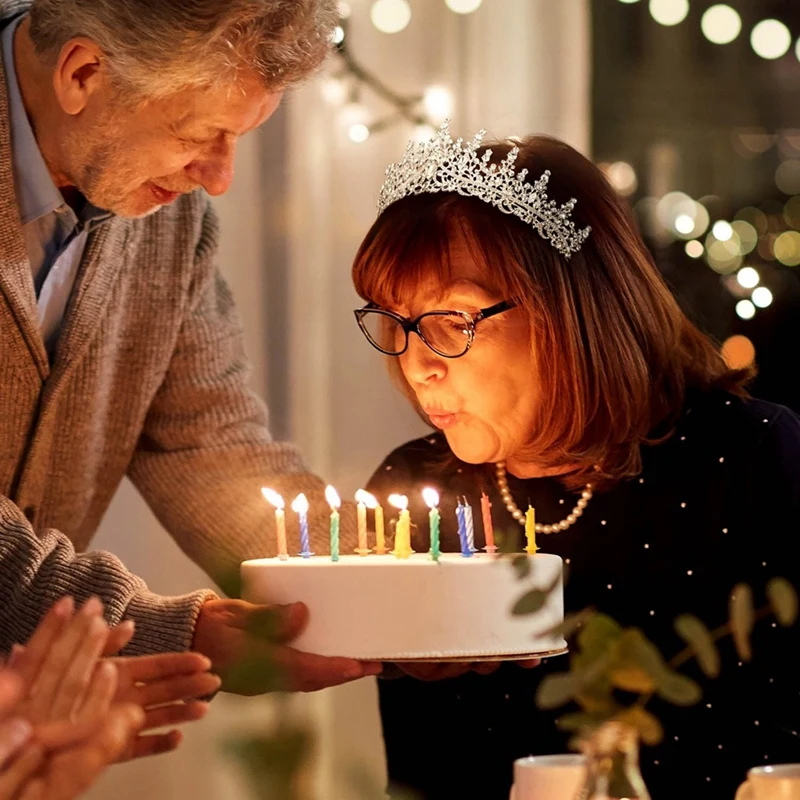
column 559, row 371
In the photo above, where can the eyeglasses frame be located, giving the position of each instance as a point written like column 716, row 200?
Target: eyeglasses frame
column 412, row 325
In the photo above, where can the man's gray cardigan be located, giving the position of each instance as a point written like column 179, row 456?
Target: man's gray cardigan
column 148, row 381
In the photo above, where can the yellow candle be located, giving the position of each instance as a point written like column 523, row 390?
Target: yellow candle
column 280, row 520
column 530, row 530
column 402, row 536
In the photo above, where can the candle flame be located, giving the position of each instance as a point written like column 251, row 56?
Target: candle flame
column 399, row 501
column 273, row 497
column 431, row 497
column 366, row 498
column 332, row 496
column 300, row 504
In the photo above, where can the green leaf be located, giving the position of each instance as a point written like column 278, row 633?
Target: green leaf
column 678, row 689
column 522, row 566
column 579, row 721
column 599, row 633
column 632, row 679
column 556, row 690
column 597, row 698
column 634, row 649
column 783, row 599
column 570, row 624
column 531, row 602
column 742, row 619
column 698, row 637
column 647, row 725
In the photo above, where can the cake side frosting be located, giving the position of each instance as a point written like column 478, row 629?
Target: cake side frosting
column 385, row 608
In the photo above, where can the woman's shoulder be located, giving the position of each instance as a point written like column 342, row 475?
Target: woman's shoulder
column 411, row 463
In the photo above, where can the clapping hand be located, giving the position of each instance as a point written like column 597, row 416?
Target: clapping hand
column 60, row 658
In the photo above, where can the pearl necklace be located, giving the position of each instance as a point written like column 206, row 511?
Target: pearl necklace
column 519, row 516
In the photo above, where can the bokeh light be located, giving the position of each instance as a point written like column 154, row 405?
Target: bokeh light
column 745, row 309
column 722, row 230
column 755, row 216
column 694, row 249
column 748, row 235
column 622, row 177
column 463, row 6
column 721, row 24
column 762, row 297
column 669, row 12
column 738, row 352
column 748, row 277
column 390, row 16
column 787, row 248
column 724, row 255
column 684, row 224
column 358, row 132
column 787, row 176
column 438, row 103
column 770, row 39
column 791, row 212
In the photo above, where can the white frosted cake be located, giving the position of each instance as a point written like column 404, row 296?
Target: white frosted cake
column 390, row 609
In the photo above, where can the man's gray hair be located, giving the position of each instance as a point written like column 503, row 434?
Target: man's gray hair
column 157, row 47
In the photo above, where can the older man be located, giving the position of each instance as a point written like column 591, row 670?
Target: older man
column 120, row 352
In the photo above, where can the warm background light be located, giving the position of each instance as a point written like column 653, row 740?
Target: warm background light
column 463, row 6
column 745, row 309
column 669, row 12
column 738, row 352
column 770, row 39
column 390, row 16
column 762, row 297
column 748, row 277
column 721, row 24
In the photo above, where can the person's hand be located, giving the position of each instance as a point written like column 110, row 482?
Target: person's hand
column 15, row 733
column 443, row 670
column 236, row 635
column 59, row 663
column 77, row 753
column 164, row 685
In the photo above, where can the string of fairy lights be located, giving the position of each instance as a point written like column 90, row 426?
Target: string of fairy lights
column 738, row 249
column 722, row 24
column 350, row 81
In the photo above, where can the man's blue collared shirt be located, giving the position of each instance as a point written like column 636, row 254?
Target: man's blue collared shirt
column 55, row 237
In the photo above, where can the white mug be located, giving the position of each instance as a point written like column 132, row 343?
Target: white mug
column 548, row 777
column 779, row 782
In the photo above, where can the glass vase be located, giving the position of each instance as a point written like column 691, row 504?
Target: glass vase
column 612, row 765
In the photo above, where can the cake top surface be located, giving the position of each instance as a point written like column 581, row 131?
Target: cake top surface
column 381, row 562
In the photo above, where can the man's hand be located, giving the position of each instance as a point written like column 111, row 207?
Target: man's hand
column 443, row 670
column 247, row 647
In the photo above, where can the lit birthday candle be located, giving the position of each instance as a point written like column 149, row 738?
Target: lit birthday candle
column 334, row 502
column 462, row 530
column 469, row 526
column 488, row 528
column 380, row 532
column 361, row 515
column 402, row 537
column 300, row 506
column 280, row 520
column 431, row 497
column 530, row 530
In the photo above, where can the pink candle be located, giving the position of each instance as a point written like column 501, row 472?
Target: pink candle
column 488, row 529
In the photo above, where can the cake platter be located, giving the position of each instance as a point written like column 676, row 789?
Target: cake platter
column 482, row 659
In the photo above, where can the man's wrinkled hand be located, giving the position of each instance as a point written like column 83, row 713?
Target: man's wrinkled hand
column 247, row 645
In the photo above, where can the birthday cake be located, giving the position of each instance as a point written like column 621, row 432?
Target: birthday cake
column 390, row 609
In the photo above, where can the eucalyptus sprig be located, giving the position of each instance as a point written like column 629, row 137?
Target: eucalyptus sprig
column 609, row 658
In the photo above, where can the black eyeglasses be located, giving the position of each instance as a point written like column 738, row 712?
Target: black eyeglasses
column 449, row 334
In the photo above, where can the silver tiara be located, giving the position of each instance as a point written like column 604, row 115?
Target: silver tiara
column 442, row 165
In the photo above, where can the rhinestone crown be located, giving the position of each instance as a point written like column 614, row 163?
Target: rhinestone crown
column 442, row 165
